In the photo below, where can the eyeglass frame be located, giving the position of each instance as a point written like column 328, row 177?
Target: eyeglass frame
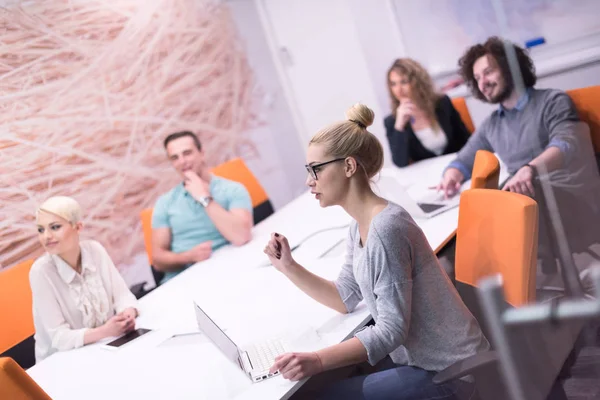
column 311, row 168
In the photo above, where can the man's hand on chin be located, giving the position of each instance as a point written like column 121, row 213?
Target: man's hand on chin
column 195, row 185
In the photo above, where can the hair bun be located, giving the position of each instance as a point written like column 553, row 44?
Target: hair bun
column 361, row 115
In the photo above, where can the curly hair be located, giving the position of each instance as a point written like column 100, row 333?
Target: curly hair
column 424, row 95
column 494, row 46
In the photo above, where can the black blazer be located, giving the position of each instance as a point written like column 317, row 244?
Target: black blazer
column 407, row 147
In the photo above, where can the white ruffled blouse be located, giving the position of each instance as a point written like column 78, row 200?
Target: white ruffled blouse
column 66, row 304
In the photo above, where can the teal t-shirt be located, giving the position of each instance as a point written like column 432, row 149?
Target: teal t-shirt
column 189, row 223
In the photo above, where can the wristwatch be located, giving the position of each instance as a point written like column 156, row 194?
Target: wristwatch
column 533, row 170
column 205, row 201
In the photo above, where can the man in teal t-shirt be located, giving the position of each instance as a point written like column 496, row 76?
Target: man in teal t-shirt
column 199, row 215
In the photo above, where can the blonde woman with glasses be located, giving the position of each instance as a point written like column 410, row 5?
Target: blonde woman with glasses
column 421, row 325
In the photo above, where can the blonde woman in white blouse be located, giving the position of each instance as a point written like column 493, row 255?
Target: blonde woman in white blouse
column 79, row 297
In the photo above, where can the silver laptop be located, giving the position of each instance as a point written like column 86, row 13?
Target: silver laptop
column 254, row 361
column 426, row 206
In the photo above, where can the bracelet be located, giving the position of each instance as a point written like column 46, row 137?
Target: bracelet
column 320, row 362
column 533, row 169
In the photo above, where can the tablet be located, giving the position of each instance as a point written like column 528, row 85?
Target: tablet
column 126, row 339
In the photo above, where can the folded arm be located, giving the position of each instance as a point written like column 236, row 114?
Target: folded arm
column 398, row 141
column 561, row 120
column 562, row 123
column 163, row 259
column 235, row 225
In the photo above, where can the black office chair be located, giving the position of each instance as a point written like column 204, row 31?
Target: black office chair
column 23, row 353
column 534, row 341
column 532, row 347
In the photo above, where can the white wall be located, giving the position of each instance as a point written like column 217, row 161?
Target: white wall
column 381, row 43
column 331, row 57
column 282, row 173
column 337, row 51
column 315, row 58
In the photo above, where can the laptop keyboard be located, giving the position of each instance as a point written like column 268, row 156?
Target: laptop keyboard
column 262, row 355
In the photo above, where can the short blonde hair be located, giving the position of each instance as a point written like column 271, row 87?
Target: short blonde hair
column 62, row 206
column 351, row 138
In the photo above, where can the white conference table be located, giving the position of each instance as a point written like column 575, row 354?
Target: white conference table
column 247, row 298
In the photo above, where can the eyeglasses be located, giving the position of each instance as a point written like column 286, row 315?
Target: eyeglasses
column 314, row 168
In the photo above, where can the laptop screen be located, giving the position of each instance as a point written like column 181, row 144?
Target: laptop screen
column 217, row 336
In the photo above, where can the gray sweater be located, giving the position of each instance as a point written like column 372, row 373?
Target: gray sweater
column 543, row 119
column 420, row 320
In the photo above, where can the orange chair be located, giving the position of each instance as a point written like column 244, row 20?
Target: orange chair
column 236, row 170
column 486, row 171
column 587, row 103
column 497, row 234
column 146, row 218
column 460, row 105
column 15, row 384
column 139, row 289
column 486, row 174
column 16, row 315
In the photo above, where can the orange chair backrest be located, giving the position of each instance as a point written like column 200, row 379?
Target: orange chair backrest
column 16, row 309
column 16, row 384
column 498, row 233
column 587, row 103
column 486, row 171
column 146, row 217
column 236, row 170
column 460, row 105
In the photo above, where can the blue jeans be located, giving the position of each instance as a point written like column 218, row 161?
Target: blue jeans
column 398, row 383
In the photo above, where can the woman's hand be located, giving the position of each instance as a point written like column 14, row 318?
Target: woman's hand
column 405, row 110
column 116, row 326
column 119, row 324
column 280, row 255
column 130, row 311
column 296, row 366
